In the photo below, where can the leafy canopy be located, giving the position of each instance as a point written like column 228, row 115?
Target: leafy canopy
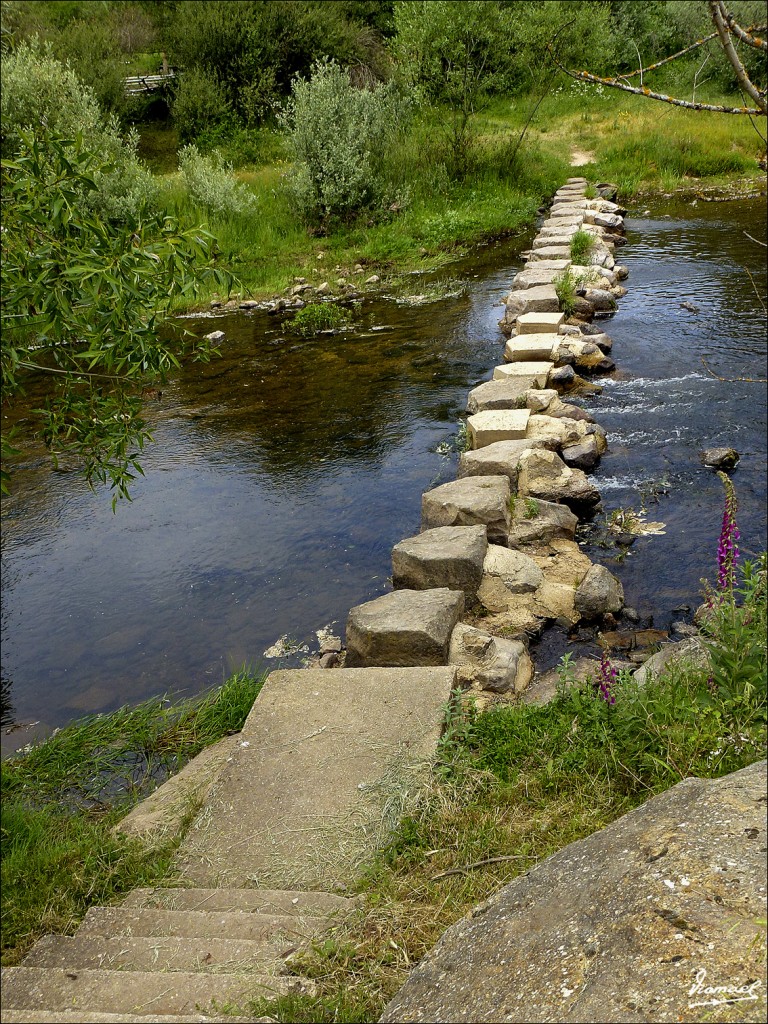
column 87, row 302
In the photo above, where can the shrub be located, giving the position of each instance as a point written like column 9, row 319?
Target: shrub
column 211, row 183
column 43, row 96
column 582, row 244
column 318, row 317
column 199, row 105
column 338, row 135
column 565, row 286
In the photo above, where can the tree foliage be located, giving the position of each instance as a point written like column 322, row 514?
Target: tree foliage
column 87, row 303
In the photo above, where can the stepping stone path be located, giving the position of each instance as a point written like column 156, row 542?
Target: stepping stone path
column 293, row 805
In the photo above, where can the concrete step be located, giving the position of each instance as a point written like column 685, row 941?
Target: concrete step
column 136, row 992
column 254, row 901
column 95, row 1017
column 196, row 924
column 162, row 953
column 333, row 756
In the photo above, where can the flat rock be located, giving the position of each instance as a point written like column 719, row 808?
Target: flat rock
column 497, row 425
column 407, row 627
column 550, row 252
column 541, row 299
column 501, row 458
column 538, row 371
column 642, row 921
column 544, row 688
column 310, row 795
column 532, row 348
column 539, row 323
column 599, row 592
column 448, row 556
column 488, row 662
column 470, row 501
column 498, row 394
column 537, row 275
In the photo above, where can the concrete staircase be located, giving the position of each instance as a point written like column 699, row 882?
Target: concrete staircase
column 170, row 955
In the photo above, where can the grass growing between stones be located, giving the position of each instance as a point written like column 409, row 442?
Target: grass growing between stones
column 62, row 798
column 519, row 782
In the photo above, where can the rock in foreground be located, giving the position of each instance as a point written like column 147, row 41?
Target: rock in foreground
column 655, row 918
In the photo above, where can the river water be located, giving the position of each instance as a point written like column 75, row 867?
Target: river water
column 283, row 473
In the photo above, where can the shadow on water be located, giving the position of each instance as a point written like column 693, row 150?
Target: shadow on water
column 284, row 472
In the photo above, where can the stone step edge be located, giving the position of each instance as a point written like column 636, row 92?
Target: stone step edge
column 22, row 1016
column 270, row 901
column 111, row 921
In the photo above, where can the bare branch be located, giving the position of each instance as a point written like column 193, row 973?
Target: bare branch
column 764, row 244
column 585, row 76
column 733, row 380
column 719, row 15
column 667, row 60
column 745, row 34
column 480, row 864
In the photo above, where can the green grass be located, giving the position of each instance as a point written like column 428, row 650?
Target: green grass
column 519, row 783
column 62, row 798
column 582, row 244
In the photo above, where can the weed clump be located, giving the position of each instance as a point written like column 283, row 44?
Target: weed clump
column 582, row 244
column 320, row 316
column 566, row 284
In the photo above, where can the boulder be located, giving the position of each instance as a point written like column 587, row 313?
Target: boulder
column 516, row 571
column 448, row 556
column 561, row 377
column 583, row 455
column 720, row 458
column 531, row 348
column 497, row 425
column 692, row 651
column 543, row 474
column 489, row 662
column 498, row 459
column 658, row 917
column 557, row 430
column 601, row 300
column 407, row 627
column 470, row 501
column 539, row 399
column 612, row 221
column 537, row 522
column 599, row 592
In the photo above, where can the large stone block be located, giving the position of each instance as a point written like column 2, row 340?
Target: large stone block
column 448, row 556
column 550, row 252
column 471, row 501
column 501, row 666
column 542, row 299
column 543, row 474
column 539, row 323
column 497, row 425
column 406, row 627
column 532, row 348
column 535, row 276
column 499, row 394
column 501, row 458
column 538, row 371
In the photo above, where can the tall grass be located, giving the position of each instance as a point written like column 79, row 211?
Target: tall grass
column 61, row 799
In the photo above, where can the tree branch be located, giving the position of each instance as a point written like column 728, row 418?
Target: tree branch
column 719, row 16
column 667, row 60
column 745, row 34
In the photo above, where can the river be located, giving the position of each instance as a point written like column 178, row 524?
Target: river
column 283, row 473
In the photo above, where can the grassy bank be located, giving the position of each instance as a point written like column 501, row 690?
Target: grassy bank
column 641, row 145
column 61, row 799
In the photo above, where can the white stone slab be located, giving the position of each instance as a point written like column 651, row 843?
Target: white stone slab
column 497, row 425
column 531, row 348
column 538, row 371
column 539, row 323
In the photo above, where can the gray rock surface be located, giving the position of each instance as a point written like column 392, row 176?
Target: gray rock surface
column 543, row 474
column 489, row 662
column 498, row 394
column 691, row 651
column 407, row 627
column 599, row 592
column 719, row 458
column 540, row 522
column 656, row 918
column 449, row 556
column 470, row 501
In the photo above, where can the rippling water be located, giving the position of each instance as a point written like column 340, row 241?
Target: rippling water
column 284, row 472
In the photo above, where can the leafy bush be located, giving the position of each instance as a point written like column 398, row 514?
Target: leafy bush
column 338, row 135
column 43, row 96
column 211, row 183
column 318, row 317
column 199, row 104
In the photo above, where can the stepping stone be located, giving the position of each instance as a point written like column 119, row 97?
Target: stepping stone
column 539, row 323
column 542, row 298
column 500, row 394
column 489, row 662
column 498, row 459
column 604, row 220
column 567, row 209
column 537, row 276
column 497, row 425
column 550, row 252
column 447, row 556
column 296, row 902
column 543, row 474
column 470, row 501
column 322, row 754
column 532, row 348
column 407, row 627
column 536, row 372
